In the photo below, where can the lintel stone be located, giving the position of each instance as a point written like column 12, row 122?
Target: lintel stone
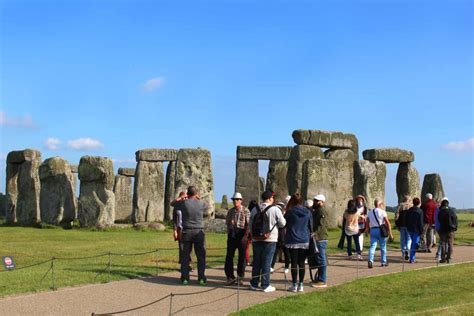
column 128, row 172
column 155, row 155
column 388, row 155
column 20, row 156
column 263, row 153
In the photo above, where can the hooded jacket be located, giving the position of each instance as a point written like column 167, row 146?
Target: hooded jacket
column 299, row 223
column 429, row 208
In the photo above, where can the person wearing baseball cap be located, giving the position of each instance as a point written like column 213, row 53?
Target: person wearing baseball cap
column 320, row 230
column 448, row 222
column 237, row 222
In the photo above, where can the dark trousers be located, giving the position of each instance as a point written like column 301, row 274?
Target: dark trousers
column 234, row 241
column 286, row 255
column 340, row 244
column 447, row 241
column 298, row 257
column 180, row 252
column 196, row 238
column 349, row 244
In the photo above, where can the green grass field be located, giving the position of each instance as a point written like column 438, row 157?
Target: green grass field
column 436, row 291
column 29, row 246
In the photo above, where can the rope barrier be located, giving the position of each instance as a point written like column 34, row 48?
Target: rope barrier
column 26, row 267
column 133, row 309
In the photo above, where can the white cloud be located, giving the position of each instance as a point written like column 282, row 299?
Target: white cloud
column 24, row 121
column 460, row 146
column 153, row 84
column 52, row 143
column 84, row 144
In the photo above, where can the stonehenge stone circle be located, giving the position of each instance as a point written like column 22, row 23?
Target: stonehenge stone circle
column 432, row 184
column 247, row 180
column 96, row 205
column 263, row 153
column 408, row 181
column 300, row 154
column 276, row 178
column 334, row 140
column 388, row 155
column 127, row 172
column 148, row 193
column 170, row 193
column 23, row 187
column 123, row 197
column 193, row 167
column 156, row 155
column 58, row 202
column 225, row 202
column 369, row 180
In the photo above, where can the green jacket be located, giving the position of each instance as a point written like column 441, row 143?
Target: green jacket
column 320, row 223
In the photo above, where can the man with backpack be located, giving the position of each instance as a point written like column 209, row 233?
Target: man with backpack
column 448, row 222
column 265, row 219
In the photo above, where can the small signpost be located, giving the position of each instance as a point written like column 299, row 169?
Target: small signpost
column 8, row 262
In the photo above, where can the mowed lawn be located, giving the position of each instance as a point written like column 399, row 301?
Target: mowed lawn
column 446, row 290
column 31, row 246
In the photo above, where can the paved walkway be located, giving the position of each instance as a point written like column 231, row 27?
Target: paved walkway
column 217, row 300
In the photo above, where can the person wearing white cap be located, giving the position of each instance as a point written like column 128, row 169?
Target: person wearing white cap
column 320, row 230
column 237, row 222
column 448, row 224
column 429, row 209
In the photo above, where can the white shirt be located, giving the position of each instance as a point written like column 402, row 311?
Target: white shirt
column 381, row 214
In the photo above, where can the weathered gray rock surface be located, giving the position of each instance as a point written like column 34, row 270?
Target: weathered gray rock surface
column 123, row 198
column 247, row 180
column 128, row 172
column 148, row 193
column 96, row 205
column 276, row 178
column 319, row 178
column 299, row 154
column 58, row 202
column 388, row 155
column 74, row 168
column 23, row 187
column 225, row 202
column 408, row 181
column 369, row 180
column 170, row 193
column 432, row 184
column 193, row 167
column 156, row 155
column 221, row 213
column 263, row 153
column 215, row 225
column 326, row 139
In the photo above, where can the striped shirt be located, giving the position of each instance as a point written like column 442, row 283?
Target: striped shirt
column 238, row 218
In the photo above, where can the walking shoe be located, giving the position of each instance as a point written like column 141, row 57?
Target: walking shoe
column 230, row 281
column 240, row 283
column 184, row 282
column 319, row 284
column 269, row 289
column 384, row 264
column 449, row 261
column 202, row 282
column 287, row 270
column 412, row 261
column 370, row 264
column 272, row 270
column 293, row 288
column 349, row 257
column 360, row 258
column 300, row 287
column 253, row 288
column 406, row 255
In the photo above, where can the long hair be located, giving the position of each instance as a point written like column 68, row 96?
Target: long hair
column 252, row 205
column 351, row 207
column 294, row 200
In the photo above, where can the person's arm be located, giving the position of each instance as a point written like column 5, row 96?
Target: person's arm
column 389, row 226
column 281, row 221
column 367, row 224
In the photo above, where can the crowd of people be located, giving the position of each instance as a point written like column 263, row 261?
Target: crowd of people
column 297, row 230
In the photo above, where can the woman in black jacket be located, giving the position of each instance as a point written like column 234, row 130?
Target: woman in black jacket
column 414, row 224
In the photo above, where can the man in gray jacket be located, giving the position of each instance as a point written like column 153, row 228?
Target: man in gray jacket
column 264, row 246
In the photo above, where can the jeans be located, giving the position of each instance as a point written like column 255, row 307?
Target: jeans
column 196, row 238
column 321, row 260
column 374, row 238
column 415, row 240
column 234, row 241
column 405, row 240
column 262, row 259
column 349, row 244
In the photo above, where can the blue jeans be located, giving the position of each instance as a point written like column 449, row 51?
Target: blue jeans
column 405, row 240
column 374, row 238
column 321, row 260
column 262, row 260
column 415, row 237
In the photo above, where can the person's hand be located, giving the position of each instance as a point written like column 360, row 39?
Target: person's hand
column 175, row 235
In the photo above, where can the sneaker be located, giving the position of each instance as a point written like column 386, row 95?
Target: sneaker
column 293, row 288
column 300, row 287
column 230, row 281
column 287, row 270
column 406, row 255
column 202, row 282
column 449, row 261
column 349, row 257
column 240, row 283
column 370, row 264
column 319, row 284
column 269, row 289
column 360, row 258
column 384, row 264
column 412, row 261
column 184, row 282
column 253, row 288
column 272, row 270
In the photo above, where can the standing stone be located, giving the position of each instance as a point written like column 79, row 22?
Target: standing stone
column 123, row 198
column 276, row 178
column 23, row 187
column 369, row 180
column 170, row 193
column 57, row 199
column 247, row 180
column 432, row 184
column 148, row 193
column 193, row 167
column 319, row 178
column 344, row 177
column 408, row 181
column 299, row 154
column 225, row 202
column 96, row 197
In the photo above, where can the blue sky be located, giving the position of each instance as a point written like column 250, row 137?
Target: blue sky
column 110, row 77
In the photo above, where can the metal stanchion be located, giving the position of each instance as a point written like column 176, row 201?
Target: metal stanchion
column 286, row 285
column 357, row 267
column 52, row 273
column 108, row 266
column 171, row 304
column 238, row 292
column 156, row 262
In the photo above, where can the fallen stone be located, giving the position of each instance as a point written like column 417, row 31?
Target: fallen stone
column 300, row 154
column 388, row 155
column 408, row 181
column 263, row 153
column 247, row 180
column 369, row 180
column 148, row 193
column 58, row 202
column 156, row 155
column 221, row 213
column 127, row 172
column 277, row 178
column 432, row 184
column 215, row 225
column 326, row 139
column 123, row 198
column 149, row 226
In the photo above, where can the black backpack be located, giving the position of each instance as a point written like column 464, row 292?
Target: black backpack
column 261, row 225
column 452, row 221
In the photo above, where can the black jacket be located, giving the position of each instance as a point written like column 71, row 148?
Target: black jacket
column 414, row 220
column 448, row 221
